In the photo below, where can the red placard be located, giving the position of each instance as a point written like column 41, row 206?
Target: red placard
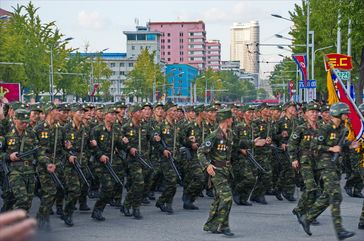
column 9, row 92
column 339, row 61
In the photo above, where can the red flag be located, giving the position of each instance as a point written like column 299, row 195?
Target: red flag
column 356, row 118
column 9, row 92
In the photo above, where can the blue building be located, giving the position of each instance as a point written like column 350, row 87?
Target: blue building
column 180, row 78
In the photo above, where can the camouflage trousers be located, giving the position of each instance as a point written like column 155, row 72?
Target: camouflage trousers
column 135, row 193
column 220, row 208
column 286, row 179
column 331, row 195
column 194, row 178
column 264, row 179
column 169, row 181
column 244, row 178
column 48, row 191
column 22, row 186
column 120, row 170
column 72, row 189
column 83, row 187
column 106, row 189
column 309, row 195
column 361, row 169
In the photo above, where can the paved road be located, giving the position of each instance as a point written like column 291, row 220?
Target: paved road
column 256, row 223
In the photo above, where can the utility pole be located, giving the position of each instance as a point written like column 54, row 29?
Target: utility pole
column 307, row 48
column 349, row 53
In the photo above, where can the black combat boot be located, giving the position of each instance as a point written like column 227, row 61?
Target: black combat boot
column 126, row 211
column 278, row 195
column 349, row 190
column 161, row 206
column 146, row 201
column 361, row 225
column 315, row 222
column 97, row 215
column 59, row 211
column 136, row 213
column 188, row 204
column 289, row 197
column 245, row 203
column 169, row 209
column 358, row 194
column 209, row 193
column 305, row 224
column 236, row 198
column 227, row 232
column 84, row 207
column 51, row 212
column 68, row 220
column 344, row 234
column 151, row 196
column 297, row 214
column 261, row 200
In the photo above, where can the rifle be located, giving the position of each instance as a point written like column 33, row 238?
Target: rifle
column 56, row 180
column 113, row 174
column 79, row 171
column 142, row 161
column 91, row 175
column 6, row 183
column 341, row 142
column 276, row 149
column 255, row 163
column 172, row 162
column 27, row 153
column 186, row 152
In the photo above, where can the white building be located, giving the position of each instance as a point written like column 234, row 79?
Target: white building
column 244, row 45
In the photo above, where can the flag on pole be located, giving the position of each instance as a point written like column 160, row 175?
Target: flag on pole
column 356, row 118
column 301, row 61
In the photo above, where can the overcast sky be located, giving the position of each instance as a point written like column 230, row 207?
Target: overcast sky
column 101, row 23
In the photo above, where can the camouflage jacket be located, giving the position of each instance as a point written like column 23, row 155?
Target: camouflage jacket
column 284, row 124
column 169, row 134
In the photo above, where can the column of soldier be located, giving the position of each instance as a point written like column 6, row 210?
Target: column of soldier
column 67, row 153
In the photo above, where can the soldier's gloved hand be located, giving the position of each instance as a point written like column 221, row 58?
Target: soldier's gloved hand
column 284, row 147
column 354, row 145
column 72, row 159
column 194, row 146
column 211, row 170
column 51, row 168
column 335, row 149
column 104, row 159
column 284, row 133
column 133, row 151
column 93, row 143
column 13, row 157
column 296, row 164
column 125, row 140
column 167, row 153
column 68, row 145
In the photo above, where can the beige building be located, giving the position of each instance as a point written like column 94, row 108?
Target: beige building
column 244, row 45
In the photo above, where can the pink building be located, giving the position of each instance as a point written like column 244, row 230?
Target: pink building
column 213, row 54
column 182, row 42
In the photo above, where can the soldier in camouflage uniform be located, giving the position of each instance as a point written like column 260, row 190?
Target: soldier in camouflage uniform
column 361, row 170
column 327, row 143
column 139, row 134
column 283, row 130
column 104, row 140
column 21, row 175
column 194, row 177
column 262, row 132
column 304, row 160
column 168, row 132
column 215, row 155
column 50, row 138
column 75, row 141
column 244, row 173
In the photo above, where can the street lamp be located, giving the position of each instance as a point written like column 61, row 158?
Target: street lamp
column 314, row 57
column 279, row 16
column 282, row 37
column 51, row 74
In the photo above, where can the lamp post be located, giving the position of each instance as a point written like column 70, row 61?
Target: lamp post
column 51, row 73
column 279, row 16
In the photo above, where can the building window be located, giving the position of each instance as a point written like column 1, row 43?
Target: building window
column 169, row 59
column 169, row 47
column 122, row 73
column 181, row 40
column 113, row 73
column 162, row 46
column 181, row 53
column 162, row 41
column 132, row 47
column 112, row 65
column 131, row 65
column 163, row 53
column 180, row 59
column 181, row 33
column 168, row 34
column 141, row 47
column 131, row 37
column 141, row 37
column 168, row 53
column 151, row 37
column 168, row 40
column 181, row 47
column 121, row 64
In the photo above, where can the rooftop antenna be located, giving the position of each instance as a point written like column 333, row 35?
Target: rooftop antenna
column 136, row 21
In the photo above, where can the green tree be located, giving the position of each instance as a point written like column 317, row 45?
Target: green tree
column 141, row 79
column 282, row 73
column 236, row 89
column 212, row 80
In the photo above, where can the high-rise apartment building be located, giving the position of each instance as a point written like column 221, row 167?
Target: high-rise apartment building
column 213, row 54
column 182, row 42
column 244, row 45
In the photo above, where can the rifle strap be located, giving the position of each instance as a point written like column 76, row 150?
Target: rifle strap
column 252, row 131
column 174, row 140
column 55, row 144
column 112, row 144
column 82, row 143
column 22, row 143
column 139, row 139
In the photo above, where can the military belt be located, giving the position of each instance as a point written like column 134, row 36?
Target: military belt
column 222, row 164
column 20, row 163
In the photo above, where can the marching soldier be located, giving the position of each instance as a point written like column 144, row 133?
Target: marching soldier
column 215, row 155
column 104, row 140
column 361, row 170
column 328, row 143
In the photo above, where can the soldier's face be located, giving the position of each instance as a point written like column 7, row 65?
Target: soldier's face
column 276, row 114
column 87, row 115
column 292, row 110
column 20, row 125
column 34, row 116
column 248, row 115
column 110, row 117
column 78, row 115
column 147, row 112
column 344, row 117
column 171, row 112
column 158, row 111
column 42, row 116
column 191, row 115
column 326, row 116
column 121, row 112
column 312, row 115
column 99, row 114
column 212, row 115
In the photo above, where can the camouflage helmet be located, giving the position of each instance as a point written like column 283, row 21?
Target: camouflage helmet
column 361, row 108
column 338, row 109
